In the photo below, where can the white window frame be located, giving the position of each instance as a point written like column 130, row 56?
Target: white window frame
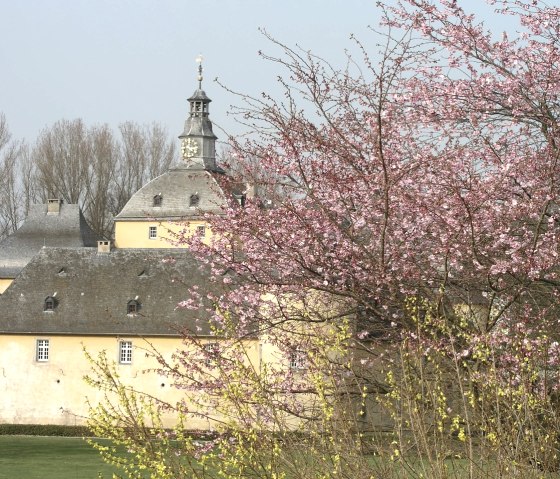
column 125, row 352
column 201, row 231
column 42, row 349
column 298, row 359
column 211, row 352
column 152, row 232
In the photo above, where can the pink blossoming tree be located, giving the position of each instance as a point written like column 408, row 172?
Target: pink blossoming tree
column 398, row 246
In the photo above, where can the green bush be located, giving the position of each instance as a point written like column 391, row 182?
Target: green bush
column 43, row 430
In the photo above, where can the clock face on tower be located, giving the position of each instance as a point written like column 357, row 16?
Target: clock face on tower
column 189, row 148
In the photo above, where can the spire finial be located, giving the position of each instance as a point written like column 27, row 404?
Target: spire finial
column 199, row 61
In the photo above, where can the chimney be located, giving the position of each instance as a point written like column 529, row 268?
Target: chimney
column 103, row 246
column 53, row 206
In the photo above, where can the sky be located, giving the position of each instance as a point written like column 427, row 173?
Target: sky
column 111, row 61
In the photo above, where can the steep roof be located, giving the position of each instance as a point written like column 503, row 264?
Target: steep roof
column 66, row 228
column 176, row 186
column 91, row 291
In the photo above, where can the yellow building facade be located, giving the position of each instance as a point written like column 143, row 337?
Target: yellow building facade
column 159, row 234
column 51, row 389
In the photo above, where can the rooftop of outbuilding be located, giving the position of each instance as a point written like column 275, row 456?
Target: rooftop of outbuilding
column 92, row 290
column 67, row 229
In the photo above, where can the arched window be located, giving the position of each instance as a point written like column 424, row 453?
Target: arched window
column 194, row 200
column 158, row 200
column 132, row 307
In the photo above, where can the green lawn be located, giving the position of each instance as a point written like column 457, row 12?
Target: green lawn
column 31, row 457
column 34, row 457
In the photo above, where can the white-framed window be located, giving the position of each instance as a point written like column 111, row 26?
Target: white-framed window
column 201, row 231
column 152, row 232
column 125, row 352
column 42, row 350
column 298, row 359
column 211, row 354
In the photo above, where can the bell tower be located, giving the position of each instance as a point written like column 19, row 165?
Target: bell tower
column 198, row 142
column 174, row 204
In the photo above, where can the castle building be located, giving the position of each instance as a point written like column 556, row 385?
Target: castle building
column 61, row 294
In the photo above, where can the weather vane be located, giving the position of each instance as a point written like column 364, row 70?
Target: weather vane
column 199, row 61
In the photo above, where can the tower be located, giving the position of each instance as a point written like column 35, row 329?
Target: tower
column 198, row 142
column 173, row 205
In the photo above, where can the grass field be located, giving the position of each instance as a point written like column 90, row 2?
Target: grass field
column 31, row 457
column 34, row 457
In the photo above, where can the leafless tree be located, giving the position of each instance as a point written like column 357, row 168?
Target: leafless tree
column 104, row 156
column 11, row 208
column 62, row 155
column 145, row 152
column 90, row 166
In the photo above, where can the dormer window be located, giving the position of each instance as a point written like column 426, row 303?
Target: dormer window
column 50, row 304
column 158, row 200
column 241, row 198
column 194, row 200
column 132, row 307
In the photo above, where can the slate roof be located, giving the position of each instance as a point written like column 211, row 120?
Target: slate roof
column 91, row 291
column 68, row 228
column 201, row 95
column 176, row 187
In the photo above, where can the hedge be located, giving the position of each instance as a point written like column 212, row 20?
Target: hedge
column 43, row 430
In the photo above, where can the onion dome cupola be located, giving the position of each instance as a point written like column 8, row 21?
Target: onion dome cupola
column 198, row 142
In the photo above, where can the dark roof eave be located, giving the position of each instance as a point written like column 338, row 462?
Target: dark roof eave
column 167, row 218
column 104, row 335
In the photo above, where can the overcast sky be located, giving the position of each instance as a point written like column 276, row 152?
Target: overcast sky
column 109, row 61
